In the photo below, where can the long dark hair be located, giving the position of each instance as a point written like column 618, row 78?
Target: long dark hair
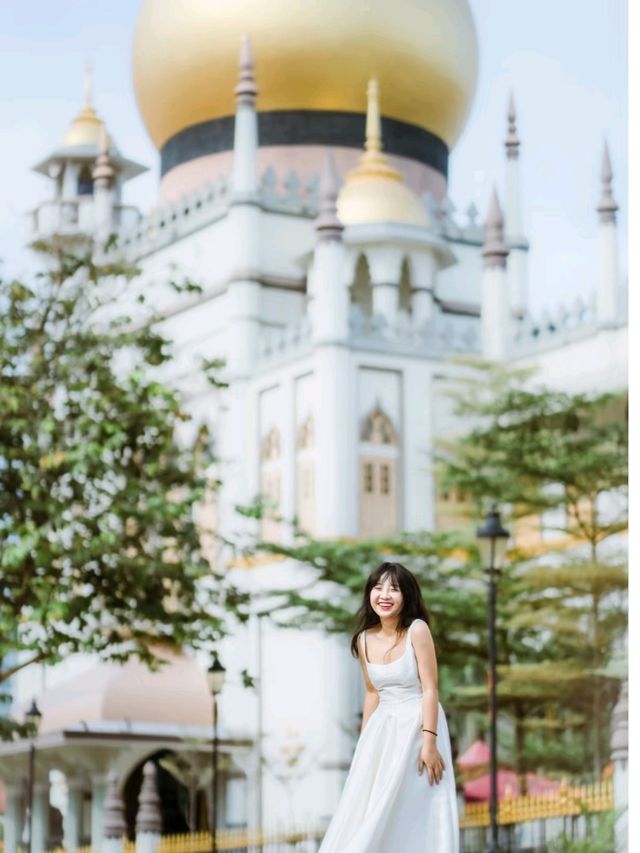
column 413, row 607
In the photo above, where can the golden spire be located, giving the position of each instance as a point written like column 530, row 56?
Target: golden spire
column 373, row 163
column 374, row 191
column 85, row 127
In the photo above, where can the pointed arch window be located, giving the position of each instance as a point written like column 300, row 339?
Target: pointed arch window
column 305, row 475
column 270, row 485
column 379, row 474
column 85, row 181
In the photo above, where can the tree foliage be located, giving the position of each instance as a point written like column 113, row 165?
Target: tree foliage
column 100, row 549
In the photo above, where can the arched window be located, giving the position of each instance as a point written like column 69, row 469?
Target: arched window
column 85, row 181
column 270, row 485
column 361, row 290
column 305, row 476
column 405, row 290
column 379, row 470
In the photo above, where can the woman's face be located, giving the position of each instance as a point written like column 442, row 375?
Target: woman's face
column 385, row 597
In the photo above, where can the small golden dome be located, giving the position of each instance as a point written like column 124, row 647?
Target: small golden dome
column 86, row 127
column 374, row 191
column 309, row 56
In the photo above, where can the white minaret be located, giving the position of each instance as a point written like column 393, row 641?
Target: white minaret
column 244, row 224
column 607, row 292
column 103, row 175
column 496, row 315
column 514, row 227
column 237, row 447
column 335, row 514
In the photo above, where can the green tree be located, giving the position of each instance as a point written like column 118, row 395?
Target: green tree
column 101, row 551
column 542, row 451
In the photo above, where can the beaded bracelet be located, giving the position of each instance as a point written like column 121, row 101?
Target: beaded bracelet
column 430, row 732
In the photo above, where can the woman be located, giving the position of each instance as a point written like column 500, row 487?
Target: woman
column 400, row 793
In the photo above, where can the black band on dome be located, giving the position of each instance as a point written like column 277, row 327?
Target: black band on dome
column 306, row 127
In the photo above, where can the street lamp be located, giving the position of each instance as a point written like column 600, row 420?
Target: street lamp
column 215, row 679
column 32, row 717
column 492, row 544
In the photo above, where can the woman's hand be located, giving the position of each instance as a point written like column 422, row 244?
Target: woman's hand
column 433, row 761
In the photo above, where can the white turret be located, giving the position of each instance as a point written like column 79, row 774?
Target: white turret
column 103, row 175
column 514, row 228
column 330, row 294
column 244, row 177
column 244, row 224
column 496, row 317
column 79, row 206
column 330, row 316
column 607, row 291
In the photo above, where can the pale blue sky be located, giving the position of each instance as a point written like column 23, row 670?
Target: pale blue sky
column 564, row 59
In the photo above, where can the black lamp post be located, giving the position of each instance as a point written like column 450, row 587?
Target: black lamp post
column 492, row 543
column 33, row 717
column 215, row 678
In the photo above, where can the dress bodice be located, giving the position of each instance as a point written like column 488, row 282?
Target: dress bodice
column 397, row 681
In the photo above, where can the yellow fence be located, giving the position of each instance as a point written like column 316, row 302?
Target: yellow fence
column 567, row 801
column 231, row 839
column 227, row 839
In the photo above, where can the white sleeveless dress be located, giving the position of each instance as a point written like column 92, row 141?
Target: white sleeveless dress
column 386, row 806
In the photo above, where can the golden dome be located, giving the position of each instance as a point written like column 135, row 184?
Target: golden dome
column 86, row 126
column 374, row 191
column 309, row 56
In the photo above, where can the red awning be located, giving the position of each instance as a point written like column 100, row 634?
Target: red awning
column 478, row 789
column 476, row 755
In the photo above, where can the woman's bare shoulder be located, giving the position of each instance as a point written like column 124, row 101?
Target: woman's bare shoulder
column 420, row 629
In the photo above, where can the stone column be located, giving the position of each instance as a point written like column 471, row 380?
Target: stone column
column 149, row 817
column 385, row 268
column 13, row 818
column 422, row 303
column 40, row 817
column 73, row 819
column 98, row 794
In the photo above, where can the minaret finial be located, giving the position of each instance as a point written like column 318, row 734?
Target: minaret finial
column 246, row 90
column 328, row 225
column 88, row 85
column 607, row 206
column 374, row 125
column 494, row 250
column 512, row 142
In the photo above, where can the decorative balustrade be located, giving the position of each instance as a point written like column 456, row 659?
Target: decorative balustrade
column 76, row 217
column 553, row 328
column 276, row 342
column 440, row 335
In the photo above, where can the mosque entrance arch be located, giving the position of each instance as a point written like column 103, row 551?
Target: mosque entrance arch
column 182, row 805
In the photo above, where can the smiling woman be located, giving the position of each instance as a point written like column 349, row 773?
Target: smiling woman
column 400, row 792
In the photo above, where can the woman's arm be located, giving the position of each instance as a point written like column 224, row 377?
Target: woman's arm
column 371, row 698
column 428, row 672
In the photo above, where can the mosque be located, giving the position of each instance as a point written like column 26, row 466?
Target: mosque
column 304, row 153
